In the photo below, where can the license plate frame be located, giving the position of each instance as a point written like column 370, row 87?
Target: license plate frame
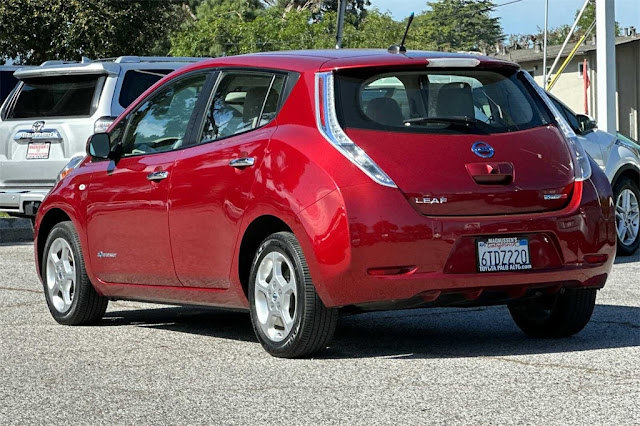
column 503, row 254
column 38, row 150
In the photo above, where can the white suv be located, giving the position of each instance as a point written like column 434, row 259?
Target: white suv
column 46, row 121
column 619, row 157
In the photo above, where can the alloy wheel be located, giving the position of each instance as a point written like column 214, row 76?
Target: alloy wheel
column 61, row 275
column 627, row 216
column 275, row 296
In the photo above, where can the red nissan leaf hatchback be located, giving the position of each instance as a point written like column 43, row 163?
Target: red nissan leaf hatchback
column 297, row 185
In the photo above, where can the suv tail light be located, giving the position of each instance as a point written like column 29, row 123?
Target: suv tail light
column 328, row 125
column 102, row 124
column 581, row 163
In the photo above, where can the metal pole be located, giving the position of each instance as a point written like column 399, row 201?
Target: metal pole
column 606, row 66
column 341, row 11
column 544, row 50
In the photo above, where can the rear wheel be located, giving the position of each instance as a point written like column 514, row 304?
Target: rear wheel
column 71, row 298
column 626, row 196
column 559, row 315
column 287, row 315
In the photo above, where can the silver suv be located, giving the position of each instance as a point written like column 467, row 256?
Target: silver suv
column 619, row 157
column 47, row 119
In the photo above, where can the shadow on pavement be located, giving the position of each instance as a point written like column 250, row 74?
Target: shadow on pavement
column 194, row 320
column 420, row 333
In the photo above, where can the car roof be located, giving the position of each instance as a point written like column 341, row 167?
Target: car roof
column 327, row 59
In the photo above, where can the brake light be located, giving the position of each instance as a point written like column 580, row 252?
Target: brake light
column 327, row 122
column 102, row 124
column 581, row 163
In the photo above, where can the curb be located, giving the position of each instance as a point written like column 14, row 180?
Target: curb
column 15, row 230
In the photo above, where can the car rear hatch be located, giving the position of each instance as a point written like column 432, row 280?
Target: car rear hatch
column 45, row 123
column 458, row 141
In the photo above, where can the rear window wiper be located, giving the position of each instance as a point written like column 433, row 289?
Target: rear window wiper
column 468, row 121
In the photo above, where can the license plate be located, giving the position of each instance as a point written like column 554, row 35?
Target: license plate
column 503, row 254
column 38, row 150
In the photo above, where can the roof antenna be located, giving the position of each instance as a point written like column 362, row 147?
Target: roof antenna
column 395, row 48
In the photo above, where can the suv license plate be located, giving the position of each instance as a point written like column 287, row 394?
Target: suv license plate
column 503, row 254
column 38, row 150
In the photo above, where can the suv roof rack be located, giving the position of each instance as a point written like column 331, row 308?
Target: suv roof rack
column 56, row 62
column 135, row 59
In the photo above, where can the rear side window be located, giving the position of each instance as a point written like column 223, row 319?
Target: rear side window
column 57, row 96
column 135, row 82
column 242, row 102
column 440, row 101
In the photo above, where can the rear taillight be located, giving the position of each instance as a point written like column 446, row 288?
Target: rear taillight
column 329, row 126
column 102, row 124
column 581, row 163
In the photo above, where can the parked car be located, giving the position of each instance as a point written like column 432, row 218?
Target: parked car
column 619, row 157
column 277, row 183
column 45, row 123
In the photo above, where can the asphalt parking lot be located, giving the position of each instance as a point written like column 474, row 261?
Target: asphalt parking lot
column 153, row 364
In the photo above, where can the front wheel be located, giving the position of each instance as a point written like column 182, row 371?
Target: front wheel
column 287, row 315
column 558, row 315
column 627, row 196
column 70, row 296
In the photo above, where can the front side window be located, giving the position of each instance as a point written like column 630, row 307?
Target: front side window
column 242, row 102
column 57, row 96
column 439, row 101
column 160, row 123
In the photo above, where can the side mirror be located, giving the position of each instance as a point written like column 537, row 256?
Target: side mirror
column 586, row 123
column 99, row 146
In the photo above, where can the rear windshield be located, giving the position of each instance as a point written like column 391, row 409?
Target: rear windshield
column 56, row 96
column 438, row 101
column 135, row 82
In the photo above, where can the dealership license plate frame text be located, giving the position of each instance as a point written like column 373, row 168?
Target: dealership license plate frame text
column 503, row 254
column 38, row 150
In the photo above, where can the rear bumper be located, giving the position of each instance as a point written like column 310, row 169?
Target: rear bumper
column 22, row 202
column 431, row 257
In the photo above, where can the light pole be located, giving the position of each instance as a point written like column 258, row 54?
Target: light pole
column 342, row 7
column 544, row 49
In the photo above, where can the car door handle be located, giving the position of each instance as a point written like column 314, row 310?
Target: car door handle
column 242, row 162
column 156, row 176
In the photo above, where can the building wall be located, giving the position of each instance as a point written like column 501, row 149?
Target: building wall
column 569, row 86
column 628, row 88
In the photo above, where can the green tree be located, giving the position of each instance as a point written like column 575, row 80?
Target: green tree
column 32, row 31
column 376, row 30
column 456, row 25
column 587, row 18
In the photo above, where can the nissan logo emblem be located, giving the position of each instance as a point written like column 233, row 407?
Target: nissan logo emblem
column 482, row 149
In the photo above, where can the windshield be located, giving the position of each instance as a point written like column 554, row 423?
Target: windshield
column 57, row 96
column 438, row 101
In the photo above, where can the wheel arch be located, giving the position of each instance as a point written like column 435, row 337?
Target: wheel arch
column 259, row 229
column 50, row 219
column 628, row 171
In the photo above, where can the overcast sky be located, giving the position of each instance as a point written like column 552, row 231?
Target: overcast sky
column 526, row 15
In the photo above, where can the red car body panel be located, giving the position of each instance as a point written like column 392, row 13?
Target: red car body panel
column 178, row 241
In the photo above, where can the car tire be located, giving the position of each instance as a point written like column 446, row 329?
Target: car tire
column 551, row 316
column 287, row 315
column 70, row 296
column 626, row 198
